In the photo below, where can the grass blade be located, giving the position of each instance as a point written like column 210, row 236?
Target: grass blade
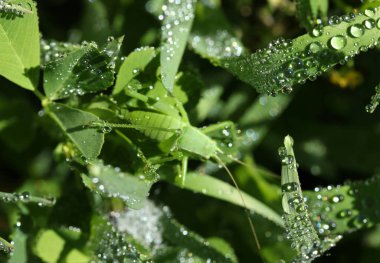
column 177, row 19
column 288, row 62
column 210, row 186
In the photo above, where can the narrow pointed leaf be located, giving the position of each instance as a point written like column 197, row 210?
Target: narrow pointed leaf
column 20, row 46
column 177, row 19
column 112, row 50
column 288, row 62
column 132, row 66
column 218, row 189
column 299, row 227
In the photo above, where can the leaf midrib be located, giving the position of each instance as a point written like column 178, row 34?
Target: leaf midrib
column 12, row 47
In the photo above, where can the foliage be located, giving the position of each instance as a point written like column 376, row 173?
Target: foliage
column 130, row 131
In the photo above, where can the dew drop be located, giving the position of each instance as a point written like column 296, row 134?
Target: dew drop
column 287, row 160
column 136, row 71
column 344, row 213
column 370, row 12
column 337, row 199
column 369, row 23
column 360, row 221
column 338, row 42
column 334, row 20
column 289, row 187
column 356, row 30
column 317, row 31
column 25, row 196
column 314, row 48
column 282, row 151
column 106, row 129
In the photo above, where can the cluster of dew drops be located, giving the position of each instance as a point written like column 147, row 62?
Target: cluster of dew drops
column 299, row 227
column 325, row 202
column 101, row 186
column 15, row 9
column 375, row 100
column 175, row 15
column 114, row 247
column 25, row 197
column 53, row 50
column 280, row 66
column 219, row 45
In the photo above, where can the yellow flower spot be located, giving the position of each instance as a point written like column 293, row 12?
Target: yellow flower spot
column 346, row 79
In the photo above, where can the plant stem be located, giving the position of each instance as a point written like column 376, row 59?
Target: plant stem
column 25, row 197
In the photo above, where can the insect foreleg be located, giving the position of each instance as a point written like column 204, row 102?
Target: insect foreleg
column 184, row 165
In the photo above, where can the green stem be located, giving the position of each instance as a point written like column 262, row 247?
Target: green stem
column 26, row 198
column 5, row 245
column 39, row 95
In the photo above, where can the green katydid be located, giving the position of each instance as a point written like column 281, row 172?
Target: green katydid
column 178, row 138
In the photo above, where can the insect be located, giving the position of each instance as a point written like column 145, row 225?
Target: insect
column 169, row 125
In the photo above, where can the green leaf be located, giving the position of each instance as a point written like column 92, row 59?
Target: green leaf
column 20, row 254
column 177, row 19
column 26, row 197
column 86, row 70
column 345, row 208
column 308, row 11
column 178, row 235
column 154, row 228
column 76, row 255
column 212, row 36
column 5, row 246
column 132, row 66
column 20, row 47
column 218, row 189
column 375, row 100
column 74, row 124
column 259, row 117
column 111, row 182
column 49, row 246
column 222, row 246
column 52, row 50
column 288, row 62
column 106, row 244
column 299, row 227
column 112, row 50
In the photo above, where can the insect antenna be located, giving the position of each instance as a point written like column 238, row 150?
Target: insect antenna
column 247, row 165
column 219, row 161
